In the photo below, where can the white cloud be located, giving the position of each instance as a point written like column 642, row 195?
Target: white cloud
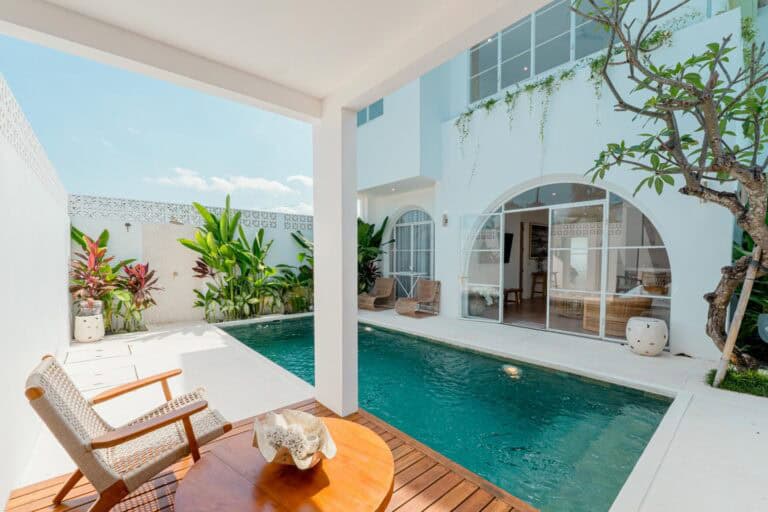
column 300, row 209
column 300, row 178
column 188, row 178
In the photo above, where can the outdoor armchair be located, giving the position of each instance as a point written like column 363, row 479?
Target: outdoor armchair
column 381, row 296
column 425, row 300
column 116, row 461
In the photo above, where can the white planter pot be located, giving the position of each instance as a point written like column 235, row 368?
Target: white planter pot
column 647, row 336
column 89, row 328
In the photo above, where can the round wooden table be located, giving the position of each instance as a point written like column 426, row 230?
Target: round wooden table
column 233, row 476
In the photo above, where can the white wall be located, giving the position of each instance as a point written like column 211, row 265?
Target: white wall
column 388, row 147
column 502, row 158
column 34, row 255
column 151, row 238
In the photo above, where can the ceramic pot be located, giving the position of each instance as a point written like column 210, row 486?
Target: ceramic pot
column 89, row 321
column 646, row 336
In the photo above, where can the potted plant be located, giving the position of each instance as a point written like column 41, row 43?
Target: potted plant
column 92, row 279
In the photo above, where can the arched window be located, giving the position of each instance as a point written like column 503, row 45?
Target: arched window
column 568, row 257
column 411, row 256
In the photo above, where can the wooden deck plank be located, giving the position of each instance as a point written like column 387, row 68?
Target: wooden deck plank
column 424, row 479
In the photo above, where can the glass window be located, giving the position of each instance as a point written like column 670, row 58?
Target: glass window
column 483, row 85
column 572, row 225
column 639, row 271
column 557, row 193
column 628, row 227
column 575, row 269
column 553, row 53
column 516, row 69
column 575, row 312
column 411, row 253
column 362, row 116
column 590, row 38
column 376, row 109
column 483, row 56
column 516, row 39
column 553, row 20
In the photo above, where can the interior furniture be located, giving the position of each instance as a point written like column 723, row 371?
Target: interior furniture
column 234, row 476
column 655, row 281
column 117, row 460
column 618, row 310
column 516, row 295
column 647, row 336
column 425, row 300
column 538, row 284
column 381, row 296
column 568, row 306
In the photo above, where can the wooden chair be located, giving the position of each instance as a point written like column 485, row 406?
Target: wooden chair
column 425, row 300
column 381, row 296
column 116, row 461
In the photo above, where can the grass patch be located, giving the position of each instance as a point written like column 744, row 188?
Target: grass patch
column 745, row 381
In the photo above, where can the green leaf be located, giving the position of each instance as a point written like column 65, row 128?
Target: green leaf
column 659, row 184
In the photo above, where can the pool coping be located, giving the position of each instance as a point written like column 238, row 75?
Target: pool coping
column 638, row 483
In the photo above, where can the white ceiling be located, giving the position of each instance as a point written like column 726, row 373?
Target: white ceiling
column 309, row 45
column 314, row 48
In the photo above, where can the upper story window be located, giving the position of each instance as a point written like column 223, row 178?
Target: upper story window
column 551, row 36
column 371, row 112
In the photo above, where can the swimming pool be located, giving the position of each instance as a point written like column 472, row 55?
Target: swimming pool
column 556, row 440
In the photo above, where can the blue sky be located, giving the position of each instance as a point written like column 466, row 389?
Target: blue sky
column 115, row 133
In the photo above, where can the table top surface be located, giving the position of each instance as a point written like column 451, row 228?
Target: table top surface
column 233, row 475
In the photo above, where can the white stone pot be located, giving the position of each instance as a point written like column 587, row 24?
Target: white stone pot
column 89, row 328
column 647, row 336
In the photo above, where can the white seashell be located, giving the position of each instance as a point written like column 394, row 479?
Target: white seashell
column 293, row 437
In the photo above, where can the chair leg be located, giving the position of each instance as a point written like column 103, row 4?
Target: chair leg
column 110, row 497
column 103, row 504
column 76, row 476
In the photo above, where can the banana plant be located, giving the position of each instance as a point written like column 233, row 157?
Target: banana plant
column 370, row 248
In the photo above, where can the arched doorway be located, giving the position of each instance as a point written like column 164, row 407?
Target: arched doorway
column 565, row 257
column 411, row 256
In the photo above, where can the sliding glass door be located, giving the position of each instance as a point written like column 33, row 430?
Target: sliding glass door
column 481, row 284
column 576, row 235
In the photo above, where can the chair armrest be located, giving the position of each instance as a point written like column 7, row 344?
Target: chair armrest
column 132, row 386
column 128, row 432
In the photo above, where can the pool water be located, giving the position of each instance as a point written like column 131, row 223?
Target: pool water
column 558, row 441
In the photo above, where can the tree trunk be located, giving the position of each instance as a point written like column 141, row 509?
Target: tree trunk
column 719, row 301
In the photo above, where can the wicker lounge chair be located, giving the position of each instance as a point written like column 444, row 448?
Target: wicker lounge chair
column 116, row 461
column 381, row 296
column 425, row 300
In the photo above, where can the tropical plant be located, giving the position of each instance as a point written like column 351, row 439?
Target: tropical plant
column 238, row 281
column 140, row 282
column 707, row 122
column 125, row 290
column 370, row 248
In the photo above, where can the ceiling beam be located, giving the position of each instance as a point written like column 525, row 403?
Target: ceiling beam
column 52, row 26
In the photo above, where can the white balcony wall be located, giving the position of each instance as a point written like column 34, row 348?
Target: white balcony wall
column 501, row 158
column 34, row 253
column 388, row 146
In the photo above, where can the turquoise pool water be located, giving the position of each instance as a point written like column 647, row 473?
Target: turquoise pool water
column 558, row 441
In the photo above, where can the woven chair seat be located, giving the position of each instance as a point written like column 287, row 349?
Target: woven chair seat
column 141, row 458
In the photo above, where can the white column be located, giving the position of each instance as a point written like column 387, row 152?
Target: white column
column 335, row 236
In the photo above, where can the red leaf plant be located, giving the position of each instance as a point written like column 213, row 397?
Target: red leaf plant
column 92, row 277
column 141, row 282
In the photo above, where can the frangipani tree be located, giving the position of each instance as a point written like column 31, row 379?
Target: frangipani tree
column 707, row 127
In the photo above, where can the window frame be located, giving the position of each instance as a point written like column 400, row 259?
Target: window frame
column 574, row 23
column 367, row 112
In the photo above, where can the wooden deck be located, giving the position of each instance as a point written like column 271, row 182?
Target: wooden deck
column 424, row 480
